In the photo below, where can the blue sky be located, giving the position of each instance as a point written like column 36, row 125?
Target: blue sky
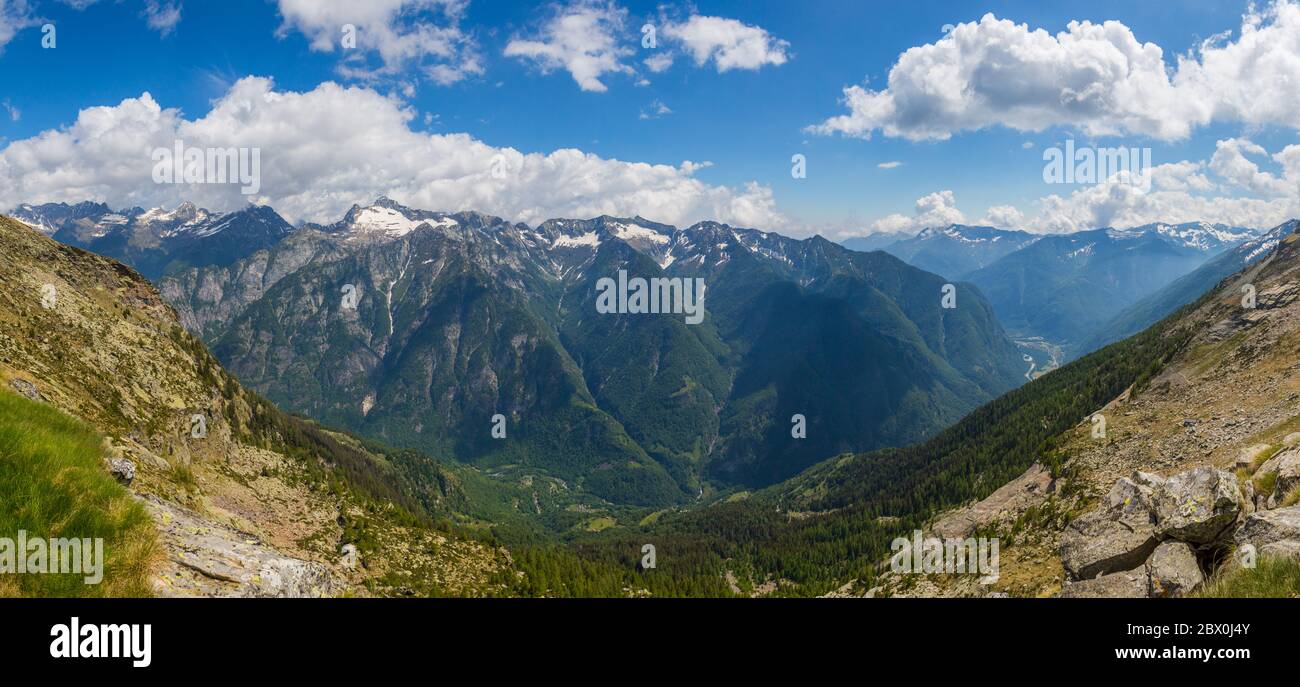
column 745, row 121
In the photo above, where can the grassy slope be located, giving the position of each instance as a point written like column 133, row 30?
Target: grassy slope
column 1271, row 578
column 53, row 484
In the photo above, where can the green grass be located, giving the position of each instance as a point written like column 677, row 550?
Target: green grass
column 53, row 484
column 1272, row 577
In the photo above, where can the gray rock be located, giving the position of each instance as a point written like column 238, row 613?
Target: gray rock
column 1119, row 535
column 26, row 388
column 1271, row 532
column 1147, row 479
column 1288, row 474
column 1173, row 570
column 1198, row 506
column 1127, row 584
column 123, row 469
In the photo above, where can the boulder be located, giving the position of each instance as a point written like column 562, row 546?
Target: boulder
column 1271, row 532
column 1172, row 570
column 1288, row 474
column 1198, row 506
column 1128, row 584
column 1291, row 439
column 122, row 469
column 1119, row 535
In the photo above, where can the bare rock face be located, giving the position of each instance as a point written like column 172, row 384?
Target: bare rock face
column 1272, row 532
column 1009, row 501
column 1128, row 584
column 1173, row 570
column 1198, row 506
column 1118, row 536
column 209, row 559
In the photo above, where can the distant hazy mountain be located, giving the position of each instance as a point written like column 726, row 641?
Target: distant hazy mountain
column 460, row 317
column 1186, row 289
column 957, row 250
column 1066, row 288
column 156, row 242
column 872, row 242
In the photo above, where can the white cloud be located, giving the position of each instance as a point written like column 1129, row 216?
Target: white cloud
column 14, row 113
column 589, row 39
column 14, row 16
column 1185, row 191
column 1230, row 163
column 162, row 16
column 349, row 145
column 581, row 38
column 1098, row 78
column 890, row 165
column 727, row 43
column 402, row 35
column 660, row 61
column 1003, row 217
column 934, row 210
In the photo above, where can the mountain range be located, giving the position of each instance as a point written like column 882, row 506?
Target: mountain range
column 1064, row 288
column 462, row 317
column 157, row 242
column 1017, row 466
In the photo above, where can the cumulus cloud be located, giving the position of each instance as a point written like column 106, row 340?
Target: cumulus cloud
column 350, row 145
column 1003, row 217
column 1185, row 191
column 726, row 43
column 1230, row 163
column 393, row 37
column 937, row 209
column 582, row 38
column 590, row 39
column 1098, row 78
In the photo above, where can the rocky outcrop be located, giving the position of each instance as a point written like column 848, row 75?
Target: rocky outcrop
column 208, row 559
column 1148, row 531
column 1006, row 503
